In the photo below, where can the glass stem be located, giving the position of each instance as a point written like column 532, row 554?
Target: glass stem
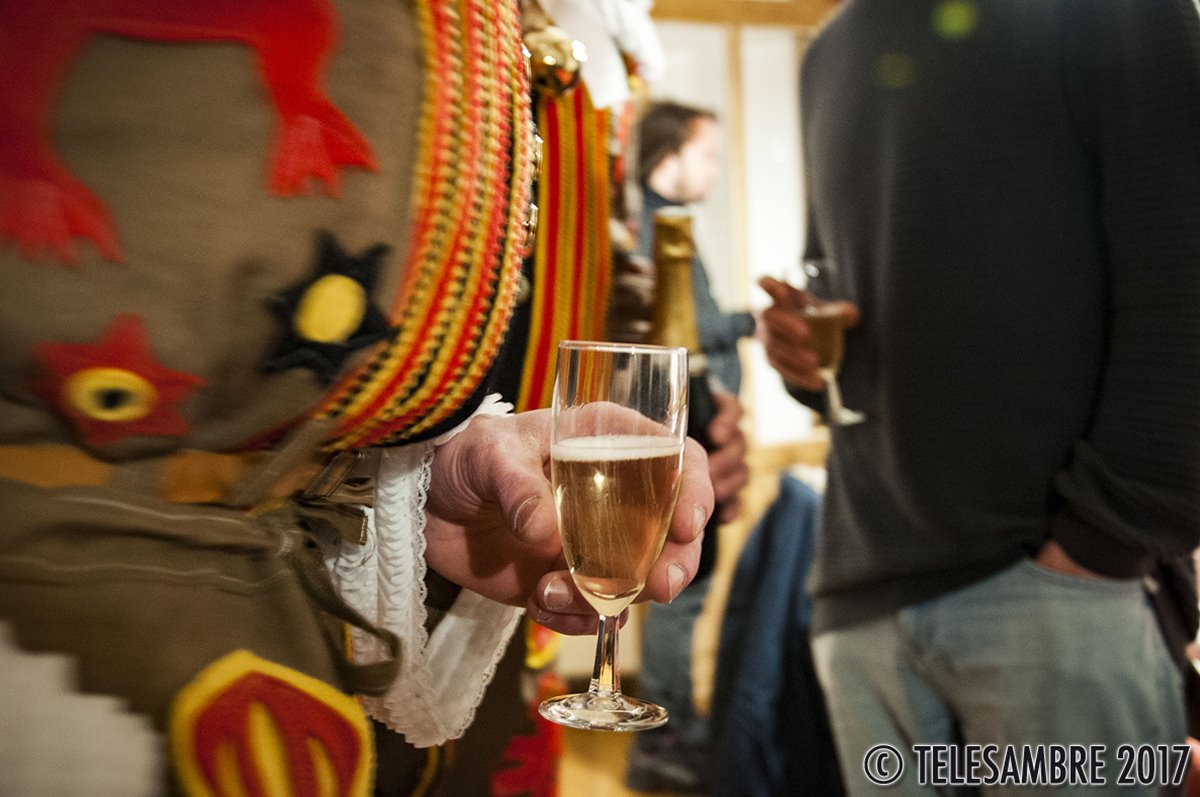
column 833, row 395
column 605, row 678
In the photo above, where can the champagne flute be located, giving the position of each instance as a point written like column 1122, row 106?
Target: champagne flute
column 827, row 326
column 616, row 456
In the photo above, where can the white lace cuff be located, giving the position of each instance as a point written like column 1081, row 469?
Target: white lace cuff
column 442, row 678
column 492, row 404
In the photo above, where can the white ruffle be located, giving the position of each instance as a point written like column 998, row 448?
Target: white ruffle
column 492, row 404
column 606, row 28
column 442, row 678
column 634, row 30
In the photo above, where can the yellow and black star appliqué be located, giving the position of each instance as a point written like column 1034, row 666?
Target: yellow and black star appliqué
column 329, row 315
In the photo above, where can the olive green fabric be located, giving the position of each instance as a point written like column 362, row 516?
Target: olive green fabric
column 145, row 594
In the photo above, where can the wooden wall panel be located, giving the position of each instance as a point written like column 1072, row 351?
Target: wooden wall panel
column 789, row 13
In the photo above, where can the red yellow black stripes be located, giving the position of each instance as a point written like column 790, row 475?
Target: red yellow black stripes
column 573, row 260
column 470, row 193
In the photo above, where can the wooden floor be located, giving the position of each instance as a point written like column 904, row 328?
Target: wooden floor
column 593, row 765
column 593, row 762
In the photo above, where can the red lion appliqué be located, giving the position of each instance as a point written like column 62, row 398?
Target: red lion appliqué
column 43, row 207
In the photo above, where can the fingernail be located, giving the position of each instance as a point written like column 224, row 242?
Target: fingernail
column 699, row 518
column 524, row 512
column 557, row 595
column 676, row 576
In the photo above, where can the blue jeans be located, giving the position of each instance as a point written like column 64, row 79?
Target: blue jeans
column 666, row 673
column 1026, row 656
column 665, row 678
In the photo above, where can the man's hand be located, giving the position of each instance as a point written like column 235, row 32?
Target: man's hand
column 785, row 334
column 492, row 527
column 727, row 461
column 631, row 297
column 1053, row 557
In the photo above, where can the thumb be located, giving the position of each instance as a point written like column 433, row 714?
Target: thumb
column 527, row 504
column 849, row 312
column 524, row 492
column 783, row 294
column 498, row 465
column 773, row 287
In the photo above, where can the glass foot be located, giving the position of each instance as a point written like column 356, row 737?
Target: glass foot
column 845, row 417
column 611, row 712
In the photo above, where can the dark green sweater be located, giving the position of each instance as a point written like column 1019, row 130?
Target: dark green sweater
column 1012, row 191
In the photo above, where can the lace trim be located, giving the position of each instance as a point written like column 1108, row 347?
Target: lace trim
column 442, row 680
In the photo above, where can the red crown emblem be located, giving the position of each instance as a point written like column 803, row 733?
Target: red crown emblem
column 247, row 726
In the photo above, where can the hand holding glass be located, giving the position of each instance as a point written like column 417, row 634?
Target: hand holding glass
column 616, row 450
column 827, row 326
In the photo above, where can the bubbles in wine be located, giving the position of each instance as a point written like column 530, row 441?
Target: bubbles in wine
column 615, row 495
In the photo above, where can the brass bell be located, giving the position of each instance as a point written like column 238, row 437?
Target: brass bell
column 555, row 60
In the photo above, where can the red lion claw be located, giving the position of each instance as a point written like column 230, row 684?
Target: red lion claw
column 311, row 147
column 44, row 216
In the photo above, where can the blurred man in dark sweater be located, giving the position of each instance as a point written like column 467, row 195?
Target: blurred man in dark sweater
column 1011, row 192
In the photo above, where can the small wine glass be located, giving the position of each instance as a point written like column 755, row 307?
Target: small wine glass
column 616, row 456
column 826, row 319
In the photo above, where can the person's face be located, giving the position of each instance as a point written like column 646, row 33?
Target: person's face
column 699, row 161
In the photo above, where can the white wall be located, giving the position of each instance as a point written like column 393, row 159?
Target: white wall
column 774, row 206
column 698, row 73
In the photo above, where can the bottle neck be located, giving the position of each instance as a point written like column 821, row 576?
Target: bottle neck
column 674, row 308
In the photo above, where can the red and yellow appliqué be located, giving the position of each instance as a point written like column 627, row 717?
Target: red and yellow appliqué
column 115, row 388
column 248, row 727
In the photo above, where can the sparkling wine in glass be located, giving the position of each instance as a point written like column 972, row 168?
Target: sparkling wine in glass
column 619, row 422
column 827, row 327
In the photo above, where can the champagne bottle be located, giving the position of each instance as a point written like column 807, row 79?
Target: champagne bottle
column 674, row 324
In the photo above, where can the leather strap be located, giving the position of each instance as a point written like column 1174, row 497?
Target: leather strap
column 186, row 476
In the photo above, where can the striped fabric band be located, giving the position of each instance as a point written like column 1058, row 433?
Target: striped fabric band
column 573, row 262
column 471, row 190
